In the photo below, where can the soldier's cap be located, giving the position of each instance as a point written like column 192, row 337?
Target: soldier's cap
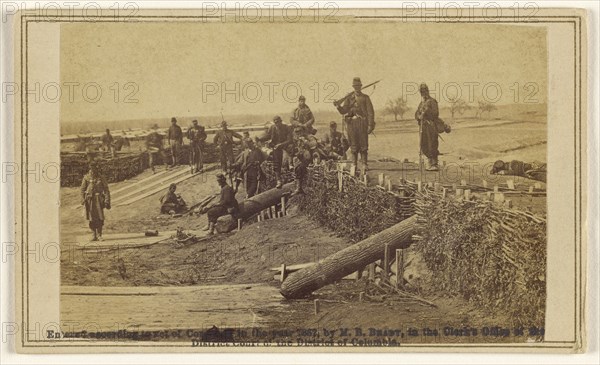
column 356, row 81
column 277, row 118
column 332, row 123
column 173, row 120
column 172, row 186
column 155, row 126
column 301, row 98
column 423, row 86
column 224, row 123
column 221, row 177
column 195, row 121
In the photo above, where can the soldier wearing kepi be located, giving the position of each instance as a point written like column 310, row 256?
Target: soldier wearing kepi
column 197, row 136
column 303, row 117
column 279, row 137
column 426, row 115
column 175, row 138
column 224, row 139
column 227, row 204
column 249, row 162
column 360, row 121
column 95, row 196
column 301, row 157
column 335, row 142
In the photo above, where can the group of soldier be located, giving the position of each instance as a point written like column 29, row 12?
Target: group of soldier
column 291, row 146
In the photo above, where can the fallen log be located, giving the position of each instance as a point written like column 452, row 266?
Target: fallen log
column 251, row 206
column 334, row 267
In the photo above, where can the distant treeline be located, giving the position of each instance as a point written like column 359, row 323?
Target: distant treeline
column 322, row 118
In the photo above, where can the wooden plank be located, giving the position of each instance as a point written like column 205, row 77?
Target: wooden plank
column 191, row 307
column 511, row 184
column 134, row 183
column 156, row 190
column 175, row 174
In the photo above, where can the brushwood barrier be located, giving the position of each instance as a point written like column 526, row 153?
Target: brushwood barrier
column 490, row 255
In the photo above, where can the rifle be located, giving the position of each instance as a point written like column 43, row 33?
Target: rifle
column 340, row 101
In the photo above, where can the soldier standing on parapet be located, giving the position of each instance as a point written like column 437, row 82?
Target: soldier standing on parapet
column 302, row 117
column 426, row 115
column 224, row 139
column 197, row 135
column 175, row 138
column 280, row 137
column 360, row 121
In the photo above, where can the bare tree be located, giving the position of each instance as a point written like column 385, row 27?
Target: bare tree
column 396, row 107
column 459, row 106
column 484, row 106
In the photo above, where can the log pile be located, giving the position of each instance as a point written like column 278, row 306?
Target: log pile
column 74, row 166
column 490, row 255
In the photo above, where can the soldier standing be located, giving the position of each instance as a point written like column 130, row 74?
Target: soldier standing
column 303, row 117
column 249, row 162
column 301, row 157
column 360, row 121
column 279, row 137
column 154, row 146
column 107, row 142
column 175, row 138
column 95, row 196
column 426, row 115
column 224, row 140
column 197, row 135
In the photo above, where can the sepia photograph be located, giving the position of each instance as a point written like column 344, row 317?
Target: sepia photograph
column 307, row 180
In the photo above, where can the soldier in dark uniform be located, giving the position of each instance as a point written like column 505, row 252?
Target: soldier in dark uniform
column 107, row 141
column 335, row 142
column 227, row 204
column 197, row 135
column 175, row 138
column 303, row 117
column 249, row 163
column 224, row 140
column 360, row 121
column 534, row 170
column 279, row 136
column 301, row 156
column 246, row 140
column 172, row 202
column 95, row 196
column 154, row 146
column 426, row 115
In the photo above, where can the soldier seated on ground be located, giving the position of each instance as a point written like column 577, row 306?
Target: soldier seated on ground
column 535, row 170
column 172, row 203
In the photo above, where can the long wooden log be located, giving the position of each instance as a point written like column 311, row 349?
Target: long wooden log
column 254, row 205
column 334, row 267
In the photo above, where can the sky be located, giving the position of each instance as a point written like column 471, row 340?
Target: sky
column 158, row 70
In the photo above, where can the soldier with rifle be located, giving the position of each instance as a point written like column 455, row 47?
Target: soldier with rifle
column 249, row 164
column 197, row 135
column 360, row 120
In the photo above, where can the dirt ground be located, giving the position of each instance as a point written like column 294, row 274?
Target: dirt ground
column 246, row 256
